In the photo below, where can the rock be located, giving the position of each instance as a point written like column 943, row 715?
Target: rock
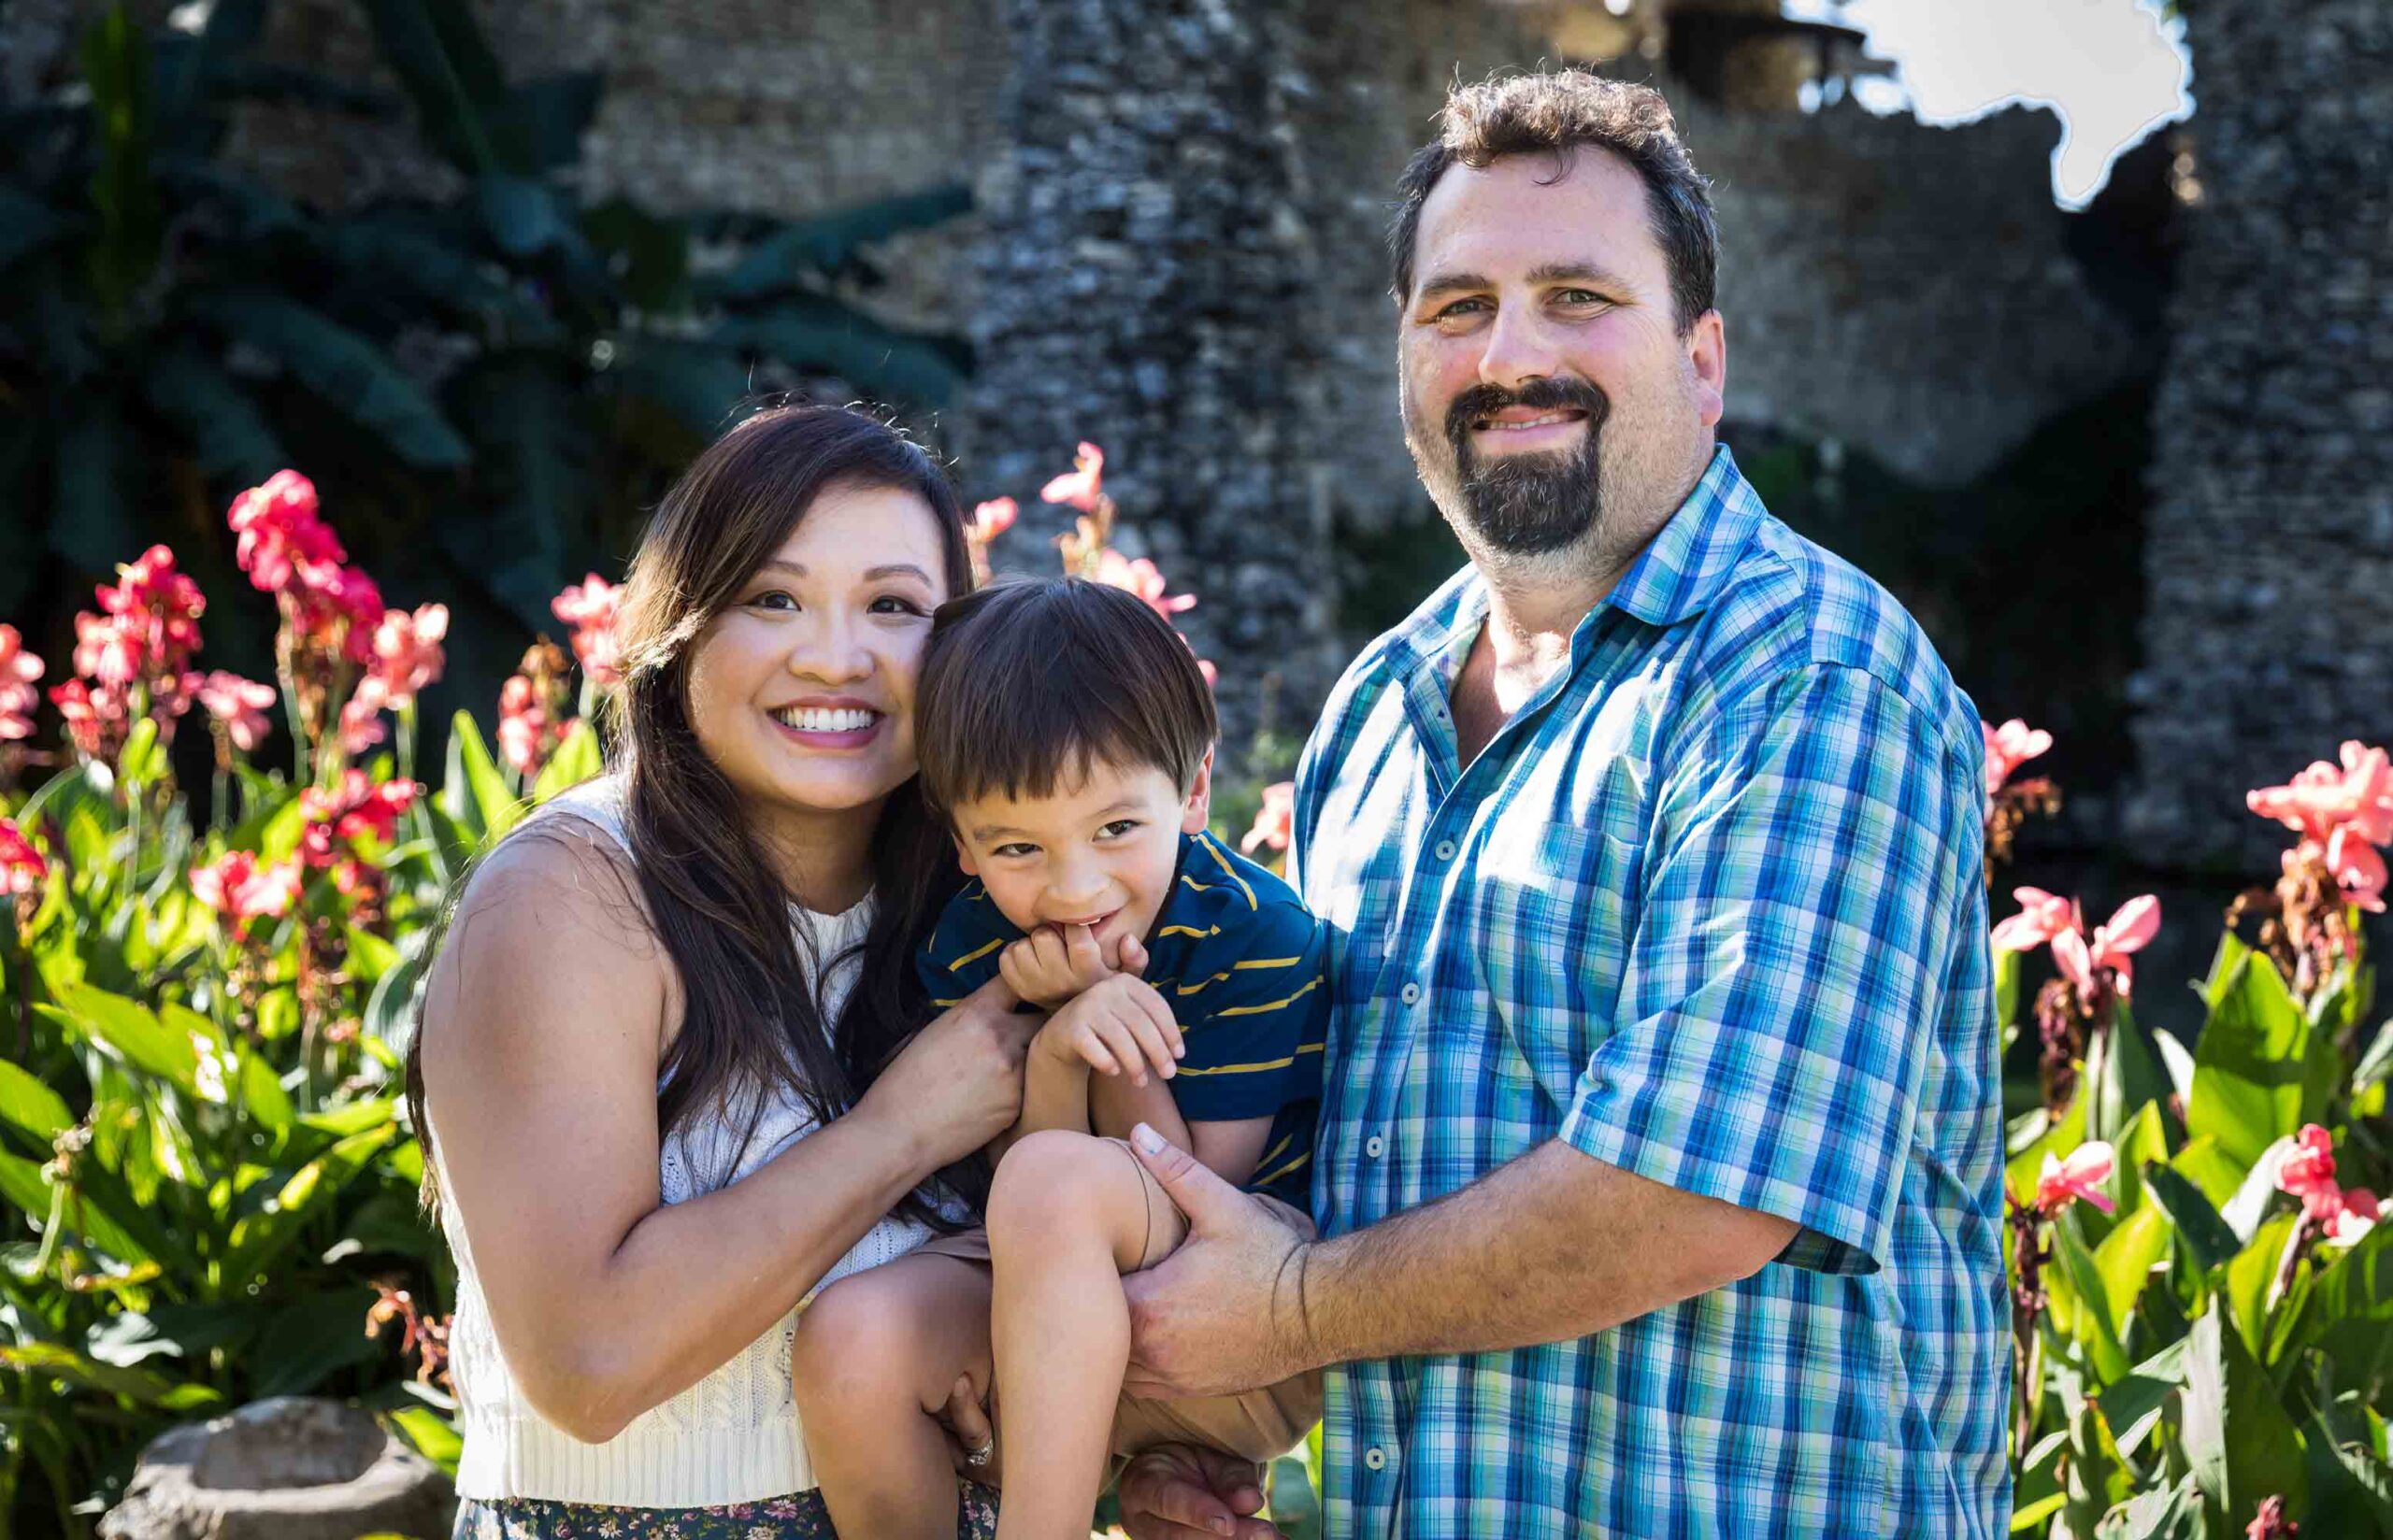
column 290, row 1468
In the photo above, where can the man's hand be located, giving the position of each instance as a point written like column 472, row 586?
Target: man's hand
column 1182, row 1493
column 1119, row 1026
column 1224, row 1313
column 1051, row 965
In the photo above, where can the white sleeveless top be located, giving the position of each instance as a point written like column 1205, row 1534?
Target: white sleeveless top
column 732, row 1437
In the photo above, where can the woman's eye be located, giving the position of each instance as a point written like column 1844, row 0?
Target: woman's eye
column 772, row 598
column 890, row 604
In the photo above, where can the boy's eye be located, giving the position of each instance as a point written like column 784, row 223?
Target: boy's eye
column 1117, row 828
column 1013, row 849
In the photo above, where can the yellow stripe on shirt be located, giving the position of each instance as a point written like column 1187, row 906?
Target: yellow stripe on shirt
column 1190, row 931
column 1231, row 871
column 976, row 954
column 1270, row 1005
column 1268, row 1177
column 1238, row 1069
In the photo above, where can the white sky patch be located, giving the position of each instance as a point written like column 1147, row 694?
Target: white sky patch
column 2111, row 70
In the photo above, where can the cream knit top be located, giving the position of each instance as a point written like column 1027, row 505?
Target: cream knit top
column 732, row 1437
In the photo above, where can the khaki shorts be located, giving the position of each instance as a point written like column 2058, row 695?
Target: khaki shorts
column 1258, row 1425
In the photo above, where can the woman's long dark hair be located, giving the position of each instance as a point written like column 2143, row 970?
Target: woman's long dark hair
column 751, row 1018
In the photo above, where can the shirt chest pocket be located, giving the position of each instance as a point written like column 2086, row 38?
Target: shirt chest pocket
column 1559, row 903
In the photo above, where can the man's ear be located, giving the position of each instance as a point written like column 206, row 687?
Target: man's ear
column 964, row 857
column 1707, row 347
column 1198, row 807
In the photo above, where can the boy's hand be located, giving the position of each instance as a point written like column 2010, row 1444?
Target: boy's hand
column 1118, row 1025
column 1050, row 965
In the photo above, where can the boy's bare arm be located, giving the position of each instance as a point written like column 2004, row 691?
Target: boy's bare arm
column 1116, row 1106
column 1120, row 1029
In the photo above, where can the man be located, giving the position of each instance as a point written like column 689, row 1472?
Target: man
column 1659, row 1165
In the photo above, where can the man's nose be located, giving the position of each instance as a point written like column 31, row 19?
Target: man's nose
column 1519, row 349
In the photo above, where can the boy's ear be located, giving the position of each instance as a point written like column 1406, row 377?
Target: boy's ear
column 1197, row 810
column 964, row 856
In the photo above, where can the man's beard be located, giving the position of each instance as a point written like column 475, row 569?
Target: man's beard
column 1528, row 503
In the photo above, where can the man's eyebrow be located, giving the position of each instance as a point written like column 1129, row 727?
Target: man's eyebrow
column 1446, row 283
column 1579, row 272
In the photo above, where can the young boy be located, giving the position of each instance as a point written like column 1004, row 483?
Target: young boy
column 1066, row 734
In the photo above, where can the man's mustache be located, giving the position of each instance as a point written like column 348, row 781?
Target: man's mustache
column 1553, row 392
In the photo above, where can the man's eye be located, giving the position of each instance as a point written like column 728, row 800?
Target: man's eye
column 1581, row 297
column 1459, row 308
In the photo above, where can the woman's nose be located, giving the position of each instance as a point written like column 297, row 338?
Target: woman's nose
column 832, row 652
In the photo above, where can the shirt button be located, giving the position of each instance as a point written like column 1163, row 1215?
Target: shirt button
column 1373, row 1146
column 1409, row 995
column 1374, row 1458
column 1445, row 851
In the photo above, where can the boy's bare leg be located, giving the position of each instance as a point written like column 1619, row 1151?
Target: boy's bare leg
column 1069, row 1215
column 876, row 1357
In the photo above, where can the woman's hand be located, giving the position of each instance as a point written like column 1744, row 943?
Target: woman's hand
column 958, row 1084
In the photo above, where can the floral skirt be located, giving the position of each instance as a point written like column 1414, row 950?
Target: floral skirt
column 799, row 1517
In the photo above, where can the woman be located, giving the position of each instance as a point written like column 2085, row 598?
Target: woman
column 664, row 1067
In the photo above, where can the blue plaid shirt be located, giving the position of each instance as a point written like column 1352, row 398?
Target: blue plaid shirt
column 1710, row 907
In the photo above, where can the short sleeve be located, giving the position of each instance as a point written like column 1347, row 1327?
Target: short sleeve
column 1812, row 857
column 1253, row 1010
column 962, row 953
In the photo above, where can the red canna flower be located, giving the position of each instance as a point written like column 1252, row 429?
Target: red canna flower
column 1275, row 823
column 355, row 809
column 237, row 886
column 96, row 715
column 407, row 650
column 18, row 669
column 2308, row 1173
column 282, row 542
column 22, row 867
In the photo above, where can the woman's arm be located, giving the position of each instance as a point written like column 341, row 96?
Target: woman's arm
column 544, row 1024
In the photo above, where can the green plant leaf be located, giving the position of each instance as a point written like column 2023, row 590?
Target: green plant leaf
column 430, row 1433
column 2159, row 1513
column 532, row 470
column 353, row 375
column 2126, row 1260
column 2021, row 1171
column 474, row 794
column 2132, row 1406
column 63, row 1362
column 128, row 1027
column 2125, row 1076
column 2249, row 1277
column 2090, row 1321
column 437, row 50
column 2209, row 1168
column 311, row 1338
column 228, row 435
column 814, row 330
column 258, row 1238
column 31, row 1104
column 2351, row 1488
column 2238, row 1441
column 2250, row 1062
column 827, row 243
column 91, row 523
column 2350, row 1313
column 2208, row 1241
column 575, row 760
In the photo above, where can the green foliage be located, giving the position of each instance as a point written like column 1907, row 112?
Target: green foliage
column 590, row 350
column 205, row 1165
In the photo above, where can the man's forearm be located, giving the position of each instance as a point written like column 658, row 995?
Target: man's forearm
column 1553, row 1246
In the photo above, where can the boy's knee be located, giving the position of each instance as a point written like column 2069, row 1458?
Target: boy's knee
column 851, row 1344
column 1052, row 1180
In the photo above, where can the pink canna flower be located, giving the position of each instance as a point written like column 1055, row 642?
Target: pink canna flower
column 18, row 669
column 240, row 705
column 590, row 608
column 282, row 542
column 97, row 716
column 2041, row 917
column 1275, row 823
column 2009, row 747
column 1143, row 578
column 991, row 518
column 2080, row 1176
column 2325, row 797
column 22, row 867
column 237, row 886
column 1084, row 485
column 407, row 650
column 527, row 730
column 2360, row 870
column 354, row 809
column 109, row 649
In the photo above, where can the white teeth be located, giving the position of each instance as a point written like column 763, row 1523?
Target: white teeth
column 813, row 718
column 1532, row 422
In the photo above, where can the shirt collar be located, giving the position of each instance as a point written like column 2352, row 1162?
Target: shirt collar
column 1677, row 574
column 1683, row 570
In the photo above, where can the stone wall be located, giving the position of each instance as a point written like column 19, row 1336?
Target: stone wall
column 2271, row 549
